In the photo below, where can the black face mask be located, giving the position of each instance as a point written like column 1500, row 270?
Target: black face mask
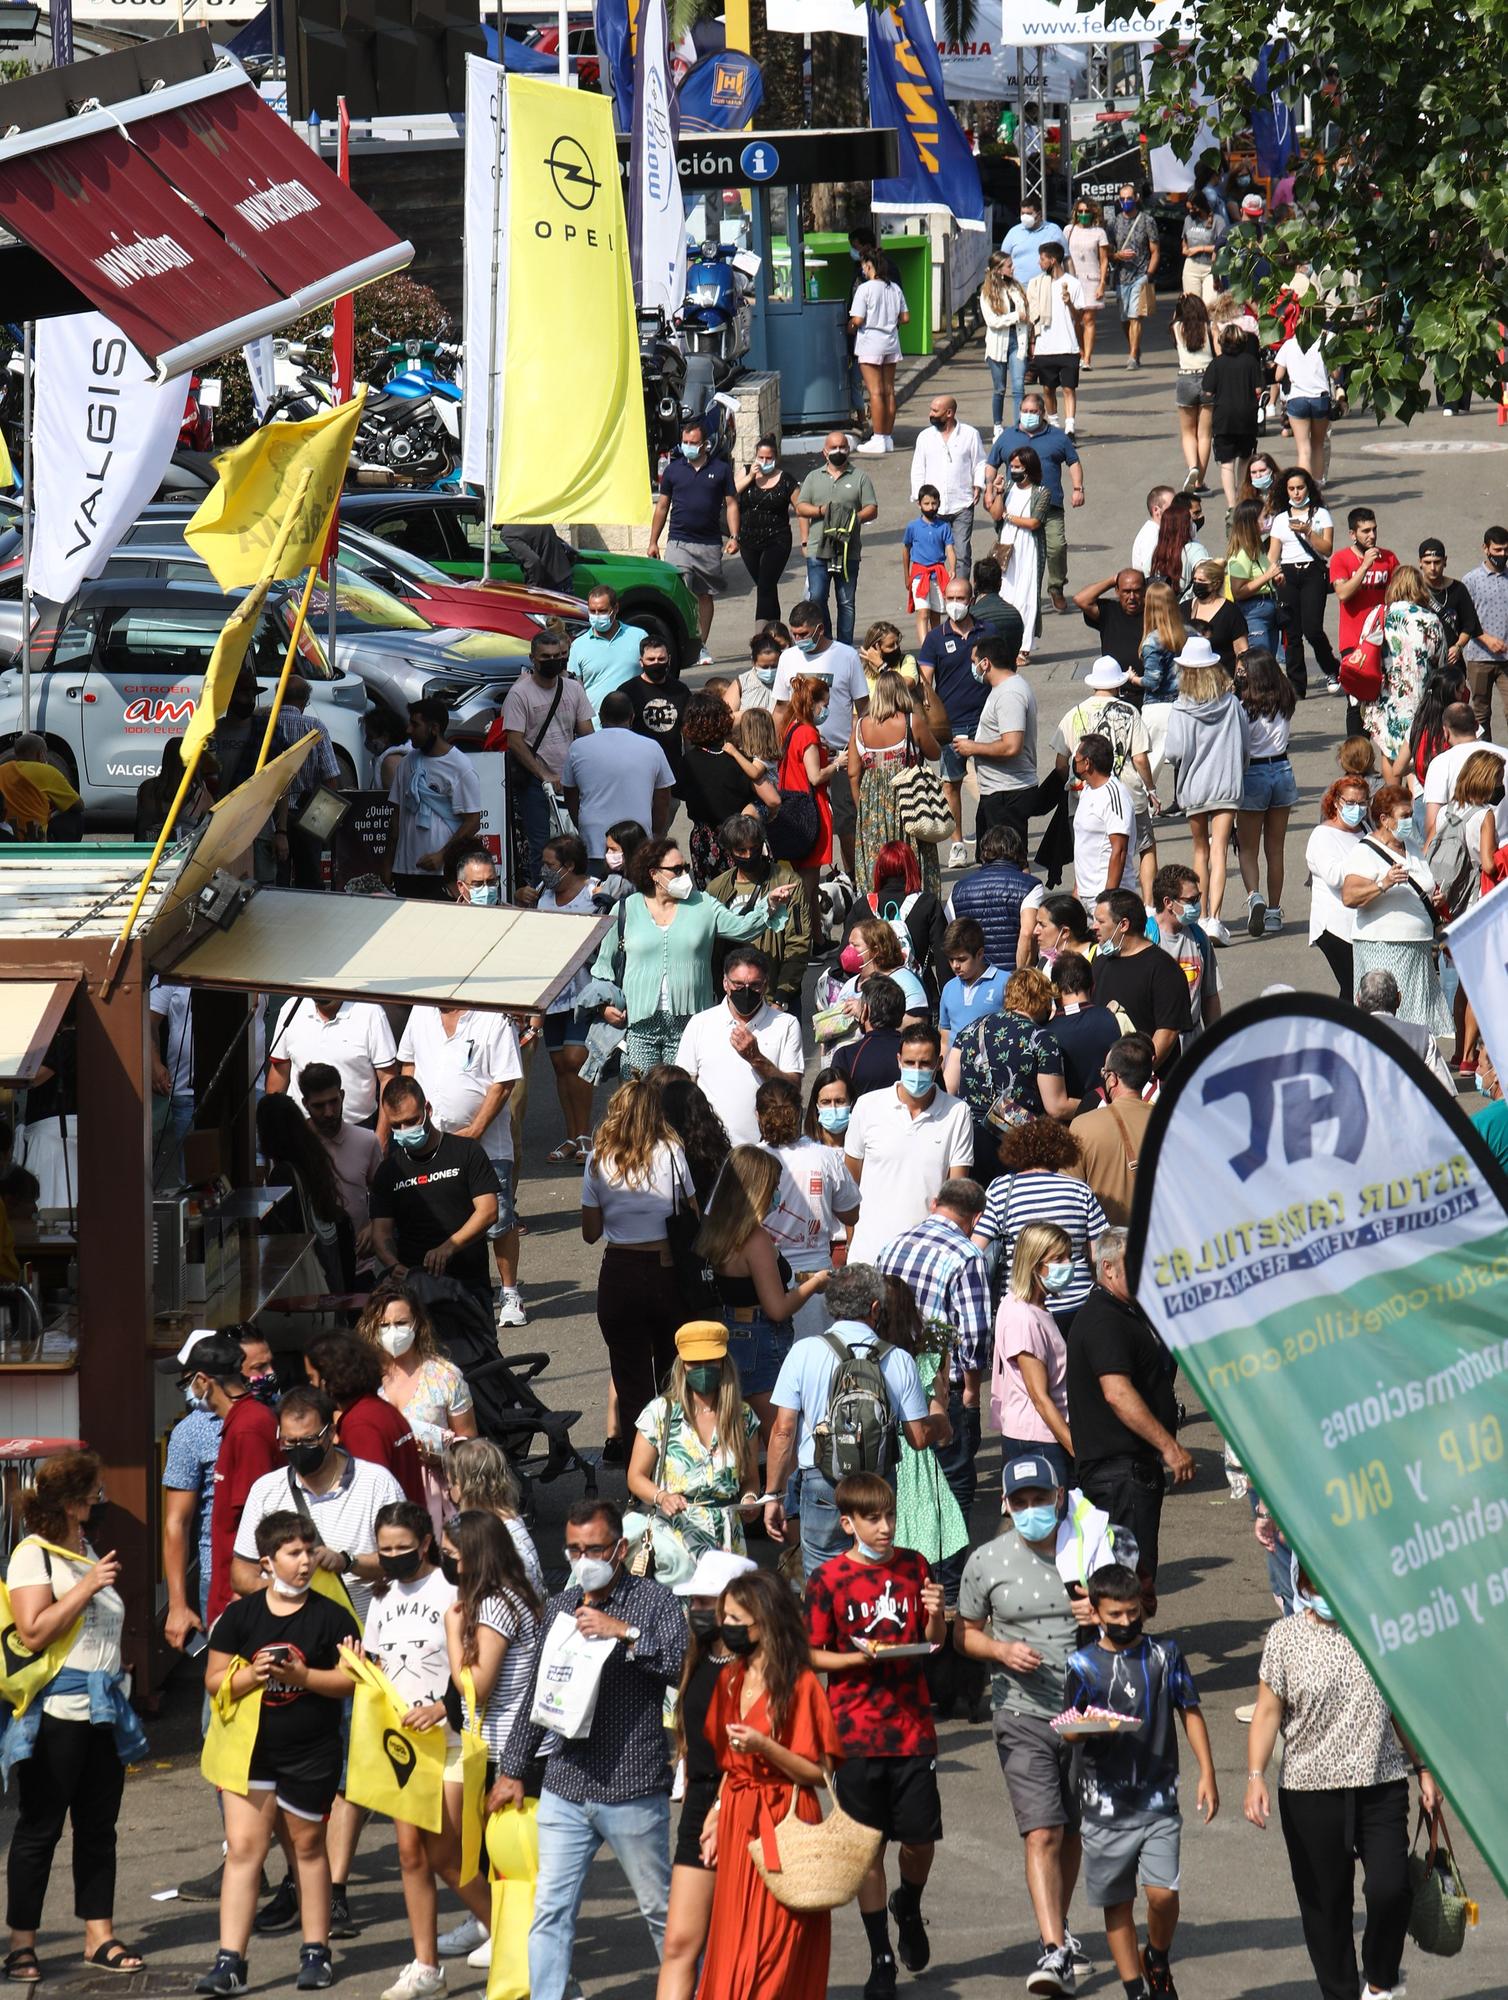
column 755, row 866
column 1124, row 1635
column 891, row 660
column 746, row 1000
column 740, row 1640
column 938, row 423
column 450, row 1569
column 549, row 668
column 656, row 670
column 307, row 1456
column 1203, row 590
column 703, row 1623
column 401, row 1567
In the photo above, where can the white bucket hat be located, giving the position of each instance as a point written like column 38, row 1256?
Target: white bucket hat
column 1106, row 675
column 1198, row 652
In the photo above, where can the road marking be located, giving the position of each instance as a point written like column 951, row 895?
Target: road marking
column 1410, row 447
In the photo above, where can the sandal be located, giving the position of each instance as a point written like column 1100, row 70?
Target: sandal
column 566, row 1151
column 21, row 1965
column 113, row 1956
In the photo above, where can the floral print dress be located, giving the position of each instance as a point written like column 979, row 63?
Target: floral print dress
column 1413, row 646
column 879, row 809
column 686, row 1465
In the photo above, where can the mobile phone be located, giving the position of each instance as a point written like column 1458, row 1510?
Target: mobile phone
column 279, row 1655
column 196, row 1644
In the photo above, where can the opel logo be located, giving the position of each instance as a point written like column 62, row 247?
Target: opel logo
column 571, row 170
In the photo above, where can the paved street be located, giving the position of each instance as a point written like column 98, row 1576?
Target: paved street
column 1239, row 1936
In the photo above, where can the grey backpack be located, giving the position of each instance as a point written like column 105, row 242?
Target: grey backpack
column 1455, row 868
column 859, row 1431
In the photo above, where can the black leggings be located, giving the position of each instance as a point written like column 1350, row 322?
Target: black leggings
column 1301, row 604
column 765, row 565
column 73, row 1771
column 1336, row 952
column 1327, row 1833
column 639, row 1309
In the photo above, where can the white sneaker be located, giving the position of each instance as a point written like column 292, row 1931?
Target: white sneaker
column 416, row 1982
column 958, row 854
column 1082, row 1964
column 1256, row 913
column 464, row 1938
column 1215, row 931
column 511, row 1311
column 482, row 1956
column 1070, row 425
column 873, row 447
column 704, row 658
column 889, row 442
column 998, row 431
column 1274, row 921
column 1054, row 1973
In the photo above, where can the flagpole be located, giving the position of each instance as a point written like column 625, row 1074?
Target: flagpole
column 28, row 502
column 293, row 639
column 489, row 468
column 564, row 50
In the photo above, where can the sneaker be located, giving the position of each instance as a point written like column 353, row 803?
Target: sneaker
column 911, row 1947
column 341, row 1925
column 873, row 447
column 1158, row 1975
column 314, row 1968
column 880, row 1985
column 704, row 658
column 416, row 1982
column 1246, row 1712
column 1070, row 426
column 226, row 1975
column 281, row 1914
column 1191, row 480
column 482, row 1956
column 511, row 1312
column 1215, row 930
column 464, row 1938
column 206, row 1888
column 958, row 855
column 1054, row 1973
column 1083, row 1965
column 1256, row 913
column 999, row 430
column 1334, row 687
column 1274, row 919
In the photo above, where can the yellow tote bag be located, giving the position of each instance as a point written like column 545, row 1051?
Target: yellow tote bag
column 232, row 1734
column 24, row 1674
column 325, row 1583
column 473, row 1779
column 392, row 1770
column 513, row 1849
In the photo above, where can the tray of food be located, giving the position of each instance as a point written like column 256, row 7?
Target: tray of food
column 1076, row 1722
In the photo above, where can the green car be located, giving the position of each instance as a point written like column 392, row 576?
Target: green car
column 446, row 530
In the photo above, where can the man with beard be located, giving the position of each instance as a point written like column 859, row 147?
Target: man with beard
column 438, row 801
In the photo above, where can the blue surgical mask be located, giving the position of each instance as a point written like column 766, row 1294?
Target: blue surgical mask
column 834, row 1117
column 764, row 466
column 766, row 676
column 1035, row 1524
column 1189, row 912
column 868, row 1554
column 819, row 715
column 1308, row 1600
column 917, row 1082
column 1057, row 1277
column 807, row 646
column 1031, row 420
column 193, row 1403
column 1111, row 946
column 691, row 450
column 1127, row 207
column 410, row 1137
column 1261, row 481
column 484, row 894
column 1353, row 812
column 601, row 621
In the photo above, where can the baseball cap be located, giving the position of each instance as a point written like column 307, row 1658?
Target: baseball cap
column 1031, row 1471
column 715, row 1570
column 178, row 1364
column 217, row 1353
column 1432, row 546
column 1252, row 204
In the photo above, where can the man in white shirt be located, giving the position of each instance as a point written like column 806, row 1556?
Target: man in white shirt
column 467, row 1063
column 355, row 1153
column 1442, row 771
column 1104, row 823
column 904, row 1142
column 615, row 775
column 848, row 696
column 1146, row 535
column 439, row 804
column 1055, row 300
column 353, row 1036
column 1004, row 748
column 733, row 1048
column 1105, row 713
column 950, row 456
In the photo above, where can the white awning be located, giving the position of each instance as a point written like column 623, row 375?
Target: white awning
column 30, row 1010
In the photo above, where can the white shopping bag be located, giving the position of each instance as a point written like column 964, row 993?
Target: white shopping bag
column 570, row 1668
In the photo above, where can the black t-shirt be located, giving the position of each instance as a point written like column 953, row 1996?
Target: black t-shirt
column 1150, row 986
column 764, row 512
column 428, row 1196
column 701, row 1758
column 1456, row 611
column 1234, row 381
column 1222, row 626
column 658, row 708
column 1110, row 1338
column 872, row 1062
column 1084, row 1036
column 1120, row 635
column 298, row 1730
column 713, row 787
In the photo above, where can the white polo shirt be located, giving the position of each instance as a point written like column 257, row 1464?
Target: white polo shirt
column 358, row 1042
column 707, row 1051
column 905, row 1161
column 456, row 1071
column 1102, row 810
column 344, row 1517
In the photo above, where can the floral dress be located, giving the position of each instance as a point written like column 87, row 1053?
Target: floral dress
column 927, row 1517
column 686, row 1465
column 430, row 1397
column 1413, row 647
column 879, row 809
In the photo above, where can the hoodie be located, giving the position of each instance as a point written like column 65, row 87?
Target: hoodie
column 1210, row 742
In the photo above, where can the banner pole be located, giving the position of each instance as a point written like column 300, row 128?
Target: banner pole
column 28, row 503
column 282, row 686
column 157, row 852
column 564, row 50
column 489, row 468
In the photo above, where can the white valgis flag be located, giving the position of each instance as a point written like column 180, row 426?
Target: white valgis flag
column 104, row 433
column 485, row 312
column 258, row 356
column 1478, row 943
column 656, row 212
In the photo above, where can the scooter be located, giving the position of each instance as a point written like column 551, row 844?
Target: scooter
column 662, row 367
column 401, row 439
column 717, row 317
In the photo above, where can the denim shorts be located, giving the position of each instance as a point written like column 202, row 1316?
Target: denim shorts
column 954, row 768
column 1309, row 406
column 757, row 1347
column 564, row 1030
column 1269, row 785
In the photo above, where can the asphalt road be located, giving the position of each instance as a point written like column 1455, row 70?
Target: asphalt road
column 1239, row 1935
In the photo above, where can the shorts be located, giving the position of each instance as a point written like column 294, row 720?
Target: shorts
column 757, row 1347
column 701, row 1796
column 953, row 767
column 1135, row 293
column 1188, row 390
column 840, row 798
column 1269, row 785
column 1146, row 839
column 876, row 348
column 1040, row 1772
column 1309, row 406
column 507, row 1214
column 896, row 1795
column 564, row 1030
column 307, row 1793
column 700, row 565
column 1118, row 1855
column 928, row 581
column 1057, row 371
column 1230, row 445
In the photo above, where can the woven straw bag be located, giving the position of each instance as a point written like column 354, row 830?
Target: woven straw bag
column 1441, row 1908
column 821, row 1863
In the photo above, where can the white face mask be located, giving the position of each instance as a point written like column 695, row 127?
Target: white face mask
column 397, row 1336
column 679, row 887
column 592, row 1573
column 292, row 1591
column 614, row 861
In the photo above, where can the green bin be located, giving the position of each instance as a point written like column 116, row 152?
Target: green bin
column 912, row 258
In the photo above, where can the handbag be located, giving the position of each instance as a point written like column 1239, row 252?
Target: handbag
column 232, row 1734
column 1441, row 1908
column 793, row 828
column 395, row 1771
column 694, row 1276
column 1361, row 668
column 921, row 804
column 817, row 1865
column 642, row 1561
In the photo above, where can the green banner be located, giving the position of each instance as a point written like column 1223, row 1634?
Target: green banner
column 1321, row 1238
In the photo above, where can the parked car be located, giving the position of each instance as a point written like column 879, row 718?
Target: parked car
column 446, row 530
column 121, row 670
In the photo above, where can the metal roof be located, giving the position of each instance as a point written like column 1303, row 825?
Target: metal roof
column 80, row 892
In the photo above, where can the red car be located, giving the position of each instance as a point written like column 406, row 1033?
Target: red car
column 508, row 608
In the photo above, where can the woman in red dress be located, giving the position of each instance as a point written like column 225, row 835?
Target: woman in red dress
column 803, row 768
column 772, row 1729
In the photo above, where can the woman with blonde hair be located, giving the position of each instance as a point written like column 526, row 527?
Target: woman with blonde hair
column 883, row 651
column 900, row 730
column 478, row 1476
column 635, row 1180
column 418, row 1380
column 1007, row 335
column 874, row 946
column 695, row 1453
column 1028, row 1385
column 1162, row 639
column 752, row 1277
column 1252, row 577
column 1209, row 739
column 1413, row 648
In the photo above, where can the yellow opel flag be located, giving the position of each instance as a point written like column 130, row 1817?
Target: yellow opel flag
column 573, row 446
column 238, row 522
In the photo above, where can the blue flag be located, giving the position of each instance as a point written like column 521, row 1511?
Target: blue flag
column 938, row 171
column 610, row 24
column 722, row 93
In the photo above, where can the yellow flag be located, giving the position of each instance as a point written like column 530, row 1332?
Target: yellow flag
column 237, row 523
column 573, row 446
column 7, row 470
column 225, row 664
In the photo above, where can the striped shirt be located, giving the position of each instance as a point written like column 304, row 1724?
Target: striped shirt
column 1037, row 1196
column 951, row 1281
column 514, row 1686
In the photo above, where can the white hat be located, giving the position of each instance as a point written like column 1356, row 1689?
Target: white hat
column 1198, row 652
column 1106, row 674
column 715, row 1570
column 1252, row 204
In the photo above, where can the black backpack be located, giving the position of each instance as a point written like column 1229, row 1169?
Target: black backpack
column 860, row 1430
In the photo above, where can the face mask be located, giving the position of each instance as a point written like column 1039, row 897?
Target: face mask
column 679, row 887
column 1497, row 562
column 819, row 715
column 292, row 1591
column 592, row 1573
column 1201, row 587
column 547, row 669
column 1035, row 1524
column 450, row 1569
column 866, row 1553
column 483, row 895
column 1124, row 1635
column 755, row 867
column 552, row 877
column 1018, row 478
column 1031, row 420
column 981, row 674
column 706, row 1377
column 1128, row 208
column 916, row 1082
column 614, row 861
column 264, row 1388
column 1029, row 218
column 764, row 465
column 1086, row 216
column 1261, row 481
column 410, row 1137
column 850, row 958
column 891, row 661
column 306, row 1456
column 1189, row 912
column 601, row 621
column 740, row 1640
column 401, row 1567
column 766, row 676
column 656, row 670
column 691, row 450
column 834, row 1117
column 807, row 646
column 746, row 1001
column 938, row 423
column 1308, row 1600
column 702, row 1622
column 193, row 1403
column 1353, row 812
column 1112, row 945
column 1057, row 1276
column 836, row 458
column 958, row 609
column 397, row 1337
column 856, row 257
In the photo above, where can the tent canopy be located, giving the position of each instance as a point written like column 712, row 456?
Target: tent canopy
column 30, row 1010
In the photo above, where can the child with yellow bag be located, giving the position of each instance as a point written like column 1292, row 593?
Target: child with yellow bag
column 276, row 1686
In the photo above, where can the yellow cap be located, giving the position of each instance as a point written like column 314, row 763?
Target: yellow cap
column 702, row 1340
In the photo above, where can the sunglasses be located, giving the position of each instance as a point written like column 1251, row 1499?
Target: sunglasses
column 680, row 868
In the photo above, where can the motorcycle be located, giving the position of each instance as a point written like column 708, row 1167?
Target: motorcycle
column 401, row 440
column 662, row 367
column 717, row 317
column 415, row 377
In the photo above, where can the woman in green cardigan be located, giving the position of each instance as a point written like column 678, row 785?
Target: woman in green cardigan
column 668, row 932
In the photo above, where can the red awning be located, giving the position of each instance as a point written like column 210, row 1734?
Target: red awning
column 193, row 218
